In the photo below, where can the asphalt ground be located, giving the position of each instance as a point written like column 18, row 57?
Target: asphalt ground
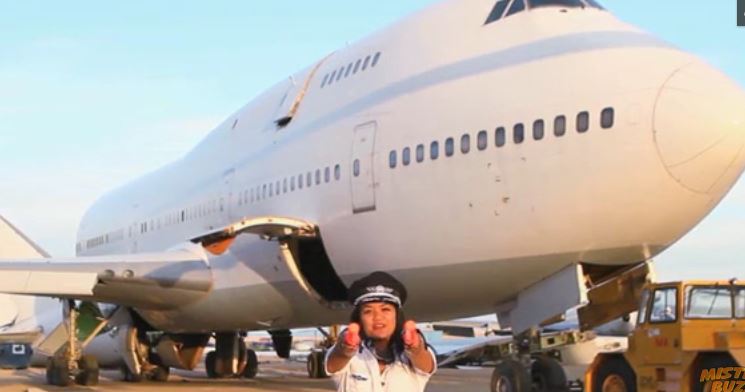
column 273, row 376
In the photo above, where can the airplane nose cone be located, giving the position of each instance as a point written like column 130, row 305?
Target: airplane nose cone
column 699, row 128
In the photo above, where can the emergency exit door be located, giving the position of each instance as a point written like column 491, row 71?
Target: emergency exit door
column 363, row 176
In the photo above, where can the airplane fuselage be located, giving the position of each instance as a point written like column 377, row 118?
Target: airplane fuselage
column 471, row 160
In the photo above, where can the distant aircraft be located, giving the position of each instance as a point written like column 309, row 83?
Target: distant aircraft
column 492, row 155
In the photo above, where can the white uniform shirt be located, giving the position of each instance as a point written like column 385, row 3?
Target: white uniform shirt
column 362, row 374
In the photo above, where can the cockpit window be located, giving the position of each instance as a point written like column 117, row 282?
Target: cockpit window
column 505, row 8
column 497, row 11
column 546, row 3
column 517, row 6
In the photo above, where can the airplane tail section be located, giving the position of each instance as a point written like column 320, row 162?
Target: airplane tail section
column 15, row 245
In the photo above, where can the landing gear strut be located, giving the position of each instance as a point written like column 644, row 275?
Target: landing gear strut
column 68, row 365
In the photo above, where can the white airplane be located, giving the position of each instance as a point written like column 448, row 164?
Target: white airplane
column 492, row 155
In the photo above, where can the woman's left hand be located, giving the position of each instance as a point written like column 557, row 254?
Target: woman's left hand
column 412, row 340
column 416, row 349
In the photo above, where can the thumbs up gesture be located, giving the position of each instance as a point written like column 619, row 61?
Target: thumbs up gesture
column 352, row 336
column 410, row 335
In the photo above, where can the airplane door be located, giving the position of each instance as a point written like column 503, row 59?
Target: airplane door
column 226, row 196
column 363, row 176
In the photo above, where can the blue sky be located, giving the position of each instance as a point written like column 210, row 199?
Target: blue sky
column 94, row 94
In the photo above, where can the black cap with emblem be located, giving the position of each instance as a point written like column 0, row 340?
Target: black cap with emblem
column 377, row 287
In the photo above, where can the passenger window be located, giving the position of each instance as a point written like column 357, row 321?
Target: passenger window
column 664, row 306
column 560, row 126
column 277, row 188
column 357, row 66
column 583, row 122
column 300, row 181
column 356, row 168
column 376, row 59
column 284, row 185
column 465, row 143
column 331, row 79
column 325, row 79
column 271, row 190
column 482, row 140
column 340, row 73
column 434, row 151
column 500, row 137
column 309, row 179
column 292, row 184
column 263, row 192
column 392, row 161
column 607, row 118
column 519, row 133
column 366, row 63
column 539, row 129
column 318, row 176
column 327, row 175
column 406, row 156
column 449, row 147
column 349, row 70
column 420, row 153
column 337, row 172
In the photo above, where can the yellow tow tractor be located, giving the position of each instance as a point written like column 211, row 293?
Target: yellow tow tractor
column 690, row 336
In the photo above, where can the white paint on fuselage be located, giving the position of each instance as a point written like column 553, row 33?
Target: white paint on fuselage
column 510, row 215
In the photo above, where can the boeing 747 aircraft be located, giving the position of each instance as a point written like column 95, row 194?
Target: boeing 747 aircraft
column 495, row 156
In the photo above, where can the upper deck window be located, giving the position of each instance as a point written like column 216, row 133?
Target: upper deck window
column 505, row 8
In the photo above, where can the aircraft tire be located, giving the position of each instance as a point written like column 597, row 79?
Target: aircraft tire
column 548, row 375
column 128, row 376
column 58, row 373
column 315, row 365
column 312, row 365
column 510, row 376
column 614, row 375
column 160, row 374
column 88, row 371
column 252, row 364
column 209, row 364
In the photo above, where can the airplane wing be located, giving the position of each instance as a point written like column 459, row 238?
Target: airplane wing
column 161, row 280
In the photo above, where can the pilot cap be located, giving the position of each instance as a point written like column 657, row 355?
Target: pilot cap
column 377, row 287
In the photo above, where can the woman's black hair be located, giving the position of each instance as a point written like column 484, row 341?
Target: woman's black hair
column 396, row 344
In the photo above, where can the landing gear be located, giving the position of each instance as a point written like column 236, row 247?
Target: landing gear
column 231, row 358
column 317, row 358
column 209, row 364
column 79, row 326
column 316, row 367
column 252, row 364
column 58, row 372
column 510, row 376
column 87, row 371
column 547, row 375
column 160, row 374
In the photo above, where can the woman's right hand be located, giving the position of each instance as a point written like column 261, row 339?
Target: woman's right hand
column 351, row 339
